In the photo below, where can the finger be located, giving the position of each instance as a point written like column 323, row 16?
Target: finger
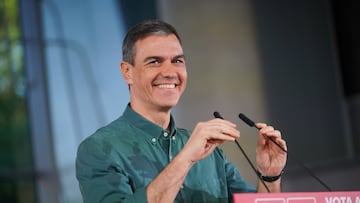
column 282, row 143
column 223, row 136
column 271, row 133
column 260, row 125
column 274, row 134
column 216, row 129
column 226, row 122
column 263, row 134
column 216, row 141
column 225, row 127
column 232, row 132
column 266, row 130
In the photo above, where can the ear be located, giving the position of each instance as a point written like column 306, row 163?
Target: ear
column 126, row 70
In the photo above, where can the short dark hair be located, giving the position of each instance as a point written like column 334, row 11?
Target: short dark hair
column 142, row 30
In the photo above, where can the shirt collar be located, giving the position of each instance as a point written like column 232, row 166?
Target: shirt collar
column 144, row 124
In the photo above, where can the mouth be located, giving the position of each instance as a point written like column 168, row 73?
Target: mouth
column 166, row 86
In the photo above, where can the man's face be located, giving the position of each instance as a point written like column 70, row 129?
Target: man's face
column 158, row 77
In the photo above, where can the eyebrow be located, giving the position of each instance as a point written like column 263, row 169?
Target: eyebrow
column 159, row 57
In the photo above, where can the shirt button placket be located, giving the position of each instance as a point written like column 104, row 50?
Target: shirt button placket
column 153, row 140
column 170, row 147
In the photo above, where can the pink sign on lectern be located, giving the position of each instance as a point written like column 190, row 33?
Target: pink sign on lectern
column 299, row 197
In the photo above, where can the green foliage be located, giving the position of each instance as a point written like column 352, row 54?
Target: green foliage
column 16, row 169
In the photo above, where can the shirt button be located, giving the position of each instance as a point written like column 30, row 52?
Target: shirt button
column 166, row 134
column 173, row 138
column 153, row 140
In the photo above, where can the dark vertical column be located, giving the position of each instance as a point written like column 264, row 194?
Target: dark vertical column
column 305, row 92
column 47, row 183
column 346, row 22
column 136, row 11
column 346, row 18
column 301, row 78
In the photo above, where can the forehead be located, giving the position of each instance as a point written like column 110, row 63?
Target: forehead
column 158, row 45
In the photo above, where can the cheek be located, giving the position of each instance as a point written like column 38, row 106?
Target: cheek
column 183, row 75
column 145, row 79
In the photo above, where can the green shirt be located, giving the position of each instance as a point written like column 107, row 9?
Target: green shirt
column 118, row 161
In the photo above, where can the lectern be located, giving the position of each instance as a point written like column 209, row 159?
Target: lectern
column 299, row 197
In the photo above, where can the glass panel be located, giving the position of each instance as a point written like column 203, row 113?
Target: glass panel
column 16, row 169
column 83, row 49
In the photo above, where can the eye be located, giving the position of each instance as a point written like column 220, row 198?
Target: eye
column 179, row 61
column 154, row 62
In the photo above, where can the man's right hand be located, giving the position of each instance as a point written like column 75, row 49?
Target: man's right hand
column 207, row 136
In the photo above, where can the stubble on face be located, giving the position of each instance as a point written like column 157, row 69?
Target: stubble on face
column 159, row 73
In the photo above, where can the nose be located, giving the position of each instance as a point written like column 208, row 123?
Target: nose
column 168, row 69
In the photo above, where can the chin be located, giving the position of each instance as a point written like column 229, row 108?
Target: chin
column 167, row 106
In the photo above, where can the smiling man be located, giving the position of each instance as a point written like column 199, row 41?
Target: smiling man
column 144, row 157
column 157, row 76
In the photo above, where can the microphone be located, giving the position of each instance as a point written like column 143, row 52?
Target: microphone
column 218, row 115
column 247, row 120
column 252, row 124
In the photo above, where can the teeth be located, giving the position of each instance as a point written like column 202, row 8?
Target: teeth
column 167, row 86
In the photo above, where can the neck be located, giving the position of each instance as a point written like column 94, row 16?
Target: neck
column 160, row 117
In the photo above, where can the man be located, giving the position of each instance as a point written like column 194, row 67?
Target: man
column 143, row 157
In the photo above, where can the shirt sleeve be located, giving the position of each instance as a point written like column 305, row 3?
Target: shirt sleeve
column 235, row 182
column 100, row 179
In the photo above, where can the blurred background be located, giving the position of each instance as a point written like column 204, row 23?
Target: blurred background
column 292, row 64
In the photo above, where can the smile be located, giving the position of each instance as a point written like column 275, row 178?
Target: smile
column 167, row 86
